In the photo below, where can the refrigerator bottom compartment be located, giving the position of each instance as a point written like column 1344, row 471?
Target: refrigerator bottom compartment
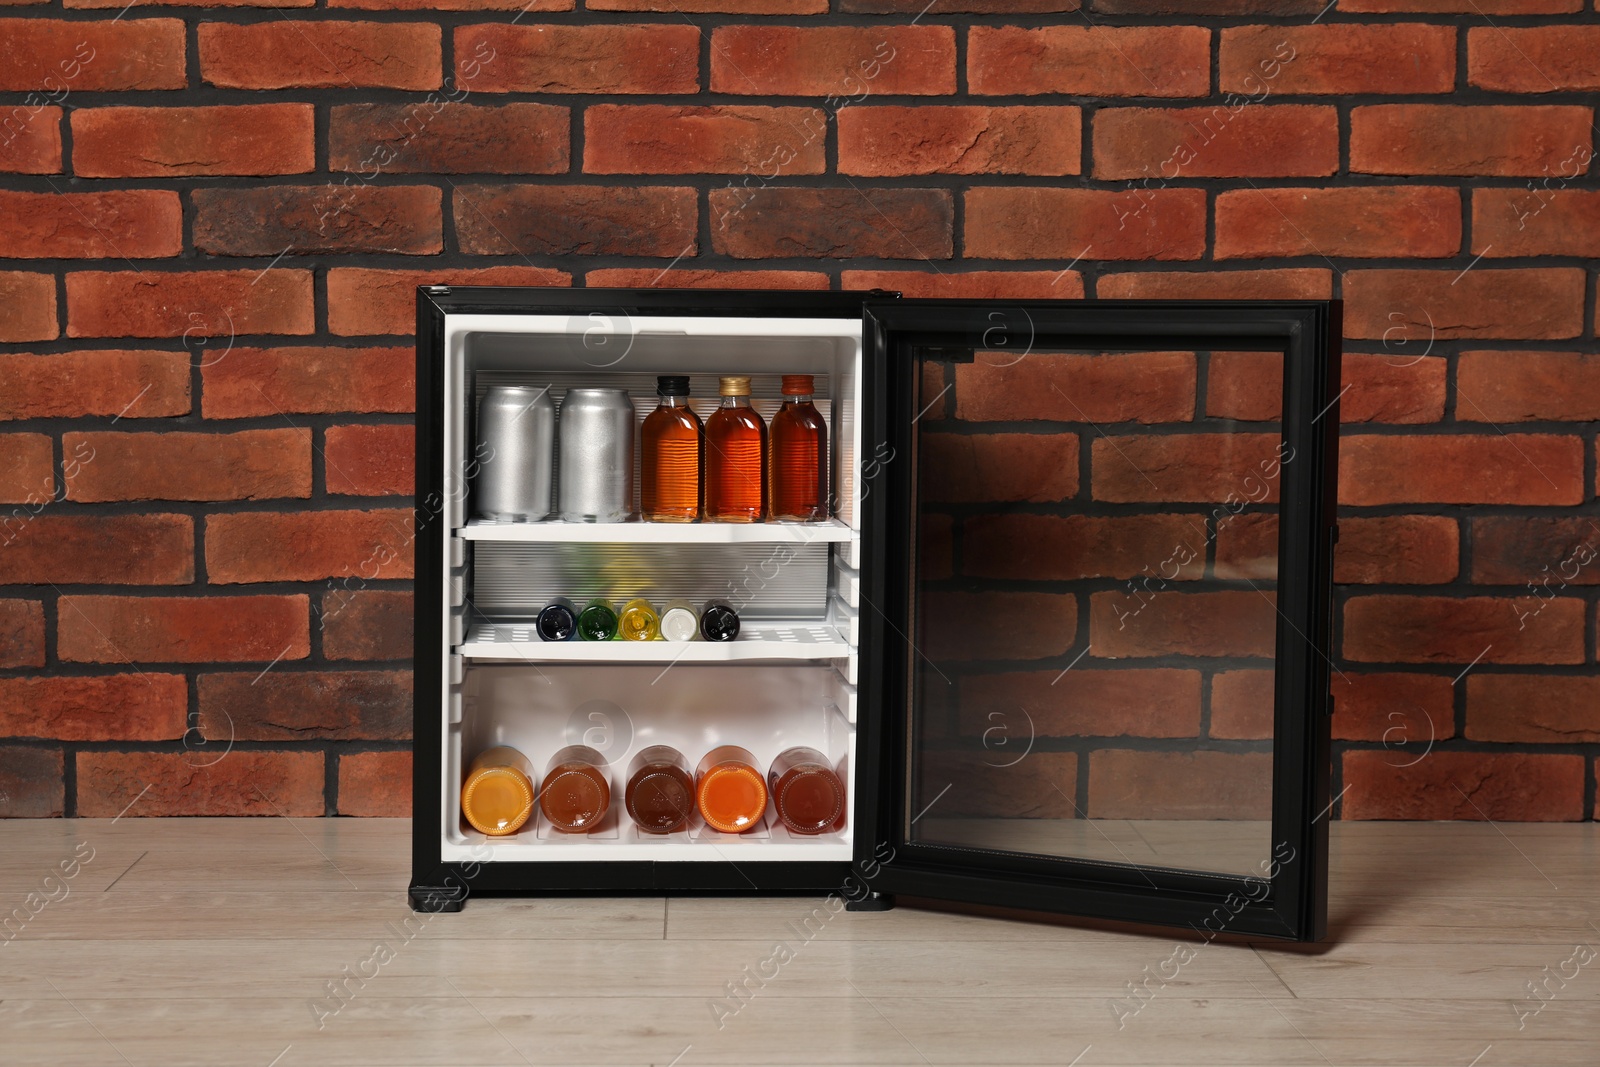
column 620, row 709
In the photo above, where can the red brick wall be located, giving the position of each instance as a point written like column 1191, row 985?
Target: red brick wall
column 212, row 216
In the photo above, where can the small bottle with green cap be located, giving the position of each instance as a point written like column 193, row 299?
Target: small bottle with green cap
column 597, row 621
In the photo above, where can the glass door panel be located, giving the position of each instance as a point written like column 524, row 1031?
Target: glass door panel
column 1101, row 585
column 1095, row 625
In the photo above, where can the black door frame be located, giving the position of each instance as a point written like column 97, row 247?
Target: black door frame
column 1289, row 897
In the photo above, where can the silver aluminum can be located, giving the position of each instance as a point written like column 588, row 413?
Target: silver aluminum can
column 516, row 446
column 596, row 482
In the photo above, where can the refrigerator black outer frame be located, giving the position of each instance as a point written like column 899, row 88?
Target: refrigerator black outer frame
column 885, row 863
column 1293, row 905
column 437, row 885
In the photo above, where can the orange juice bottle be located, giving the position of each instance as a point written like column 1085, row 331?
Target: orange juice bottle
column 730, row 792
column 497, row 796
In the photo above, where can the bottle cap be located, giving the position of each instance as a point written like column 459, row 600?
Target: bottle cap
column 679, row 624
column 497, row 800
column 734, row 386
column 719, row 622
column 556, row 622
column 672, row 385
column 799, row 384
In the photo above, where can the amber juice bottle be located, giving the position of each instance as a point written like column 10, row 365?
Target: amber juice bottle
column 797, row 470
column 807, row 793
column 660, row 791
column 730, row 792
column 736, row 457
column 497, row 796
column 671, row 445
column 576, row 793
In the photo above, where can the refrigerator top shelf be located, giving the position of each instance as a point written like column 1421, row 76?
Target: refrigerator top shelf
column 659, row 533
column 758, row 640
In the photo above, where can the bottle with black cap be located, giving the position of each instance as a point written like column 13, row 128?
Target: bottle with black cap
column 718, row 621
column 558, row 621
column 670, row 461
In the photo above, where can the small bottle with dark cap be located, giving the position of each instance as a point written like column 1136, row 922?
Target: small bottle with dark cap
column 558, row 621
column 718, row 621
column 672, row 444
column 597, row 621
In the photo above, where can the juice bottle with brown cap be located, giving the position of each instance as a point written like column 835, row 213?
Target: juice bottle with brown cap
column 730, row 792
column 497, row 796
column 736, row 457
column 807, row 793
column 660, row 792
column 577, row 792
column 797, row 473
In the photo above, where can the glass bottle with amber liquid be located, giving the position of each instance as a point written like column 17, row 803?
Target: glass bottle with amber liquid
column 797, row 471
column 736, row 457
column 807, row 792
column 660, row 791
column 576, row 793
column 672, row 443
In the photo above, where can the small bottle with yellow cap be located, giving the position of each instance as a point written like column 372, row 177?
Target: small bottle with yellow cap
column 736, row 457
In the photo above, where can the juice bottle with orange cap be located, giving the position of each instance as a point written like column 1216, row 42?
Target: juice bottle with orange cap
column 730, row 792
column 497, row 796
column 797, row 471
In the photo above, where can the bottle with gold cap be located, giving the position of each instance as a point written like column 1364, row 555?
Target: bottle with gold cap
column 639, row 621
column 498, row 795
column 797, row 478
column 730, row 792
column 736, row 457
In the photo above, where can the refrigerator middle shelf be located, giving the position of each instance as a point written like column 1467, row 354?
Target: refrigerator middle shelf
column 764, row 639
column 671, row 533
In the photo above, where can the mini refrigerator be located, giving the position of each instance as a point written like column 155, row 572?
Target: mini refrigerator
column 1065, row 631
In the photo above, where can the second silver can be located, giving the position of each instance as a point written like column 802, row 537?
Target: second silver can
column 596, row 456
column 516, row 442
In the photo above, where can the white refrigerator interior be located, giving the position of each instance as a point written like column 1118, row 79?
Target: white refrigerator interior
column 788, row 679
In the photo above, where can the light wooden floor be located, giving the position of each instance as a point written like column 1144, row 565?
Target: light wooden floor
column 212, row 942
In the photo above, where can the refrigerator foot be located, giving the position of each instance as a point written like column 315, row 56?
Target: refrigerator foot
column 871, row 902
column 428, row 898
